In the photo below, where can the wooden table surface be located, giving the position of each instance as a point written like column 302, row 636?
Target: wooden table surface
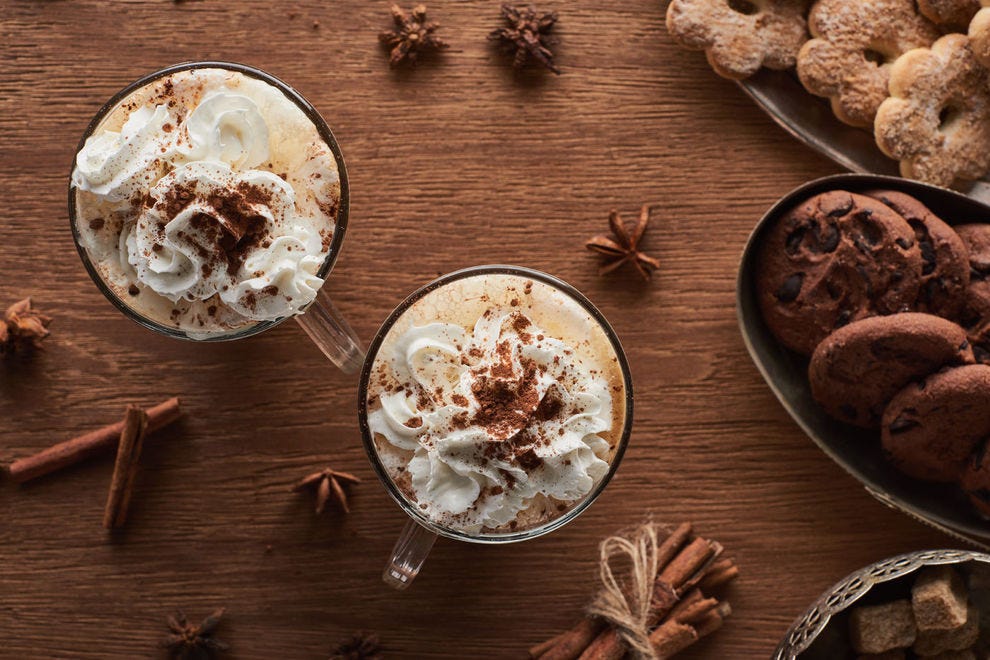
column 459, row 162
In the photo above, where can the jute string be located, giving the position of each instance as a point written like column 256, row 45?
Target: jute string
column 625, row 603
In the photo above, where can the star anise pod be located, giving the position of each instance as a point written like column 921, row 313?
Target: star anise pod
column 328, row 484
column 22, row 327
column 188, row 641
column 362, row 646
column 412, row 35
column 527, row 35
column 625, row 247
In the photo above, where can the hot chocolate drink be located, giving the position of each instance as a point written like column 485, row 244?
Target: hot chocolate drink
column 207, row 200
column 496, row 403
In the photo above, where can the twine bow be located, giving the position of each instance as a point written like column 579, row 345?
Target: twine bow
column 627, row 603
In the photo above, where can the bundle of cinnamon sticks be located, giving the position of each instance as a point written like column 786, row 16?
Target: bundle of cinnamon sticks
column 681, row 612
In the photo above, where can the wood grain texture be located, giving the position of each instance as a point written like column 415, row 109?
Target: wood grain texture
column 457, row 163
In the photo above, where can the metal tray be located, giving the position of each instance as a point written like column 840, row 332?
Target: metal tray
column 822, row 633
column 857, row 450
column 810, row 119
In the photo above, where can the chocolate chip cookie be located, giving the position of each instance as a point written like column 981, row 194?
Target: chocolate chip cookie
column 944, row 259
column 858, row 369
column 976, row 311
column 835, row 258
column 931, row 428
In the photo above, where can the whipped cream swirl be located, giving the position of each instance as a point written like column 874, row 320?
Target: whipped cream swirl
column 226, row 128
column 494, row 419
column 211, row 231
column 202, row 220
column 115, row 166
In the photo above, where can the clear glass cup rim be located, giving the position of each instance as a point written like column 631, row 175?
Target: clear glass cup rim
column 368, row 439
column 343, row 208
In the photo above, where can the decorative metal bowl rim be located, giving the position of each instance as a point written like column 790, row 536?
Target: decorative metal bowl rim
column 854, row 586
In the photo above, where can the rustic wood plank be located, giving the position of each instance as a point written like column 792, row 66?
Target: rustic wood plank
column 456, row 163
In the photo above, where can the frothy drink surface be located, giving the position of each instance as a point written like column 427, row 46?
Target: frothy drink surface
column 496, row 403
column 207, row 201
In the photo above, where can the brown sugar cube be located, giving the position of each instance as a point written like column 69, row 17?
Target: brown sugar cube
column 881, row 628
column 896, row 654
column 934, row 642
column 939, row 599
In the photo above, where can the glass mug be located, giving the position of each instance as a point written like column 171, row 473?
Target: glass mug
column 465, row 293
column 321, row 320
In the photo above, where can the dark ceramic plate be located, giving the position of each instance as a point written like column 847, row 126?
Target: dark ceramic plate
column 810, row 119
column 857, row 450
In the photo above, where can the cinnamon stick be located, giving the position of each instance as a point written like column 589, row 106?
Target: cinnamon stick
column 684, row 568
column 672, row 637
column 713, row 621
column 675, row 640
column 87, row 445
column 125, row 467
column 688, row 562
column 721, row 573
column 686, row 601
column 572, row 643
column 694, row 612
column 543, row 647
column 575, row 641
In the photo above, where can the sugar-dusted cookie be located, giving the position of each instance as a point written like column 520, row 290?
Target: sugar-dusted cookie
column 833, row 259
column 944, row 258
column 937, row 119
column 931, row 428
column 979, row 34
column 740, row 36
column 950, row 15
column 975, row 317
column 859, row 368
column 854, row 44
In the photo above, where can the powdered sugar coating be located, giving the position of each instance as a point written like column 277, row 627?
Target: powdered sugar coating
column 937, row 119
column 736, row 42
column 855, row 43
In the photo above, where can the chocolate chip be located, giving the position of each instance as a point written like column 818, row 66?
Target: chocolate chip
column 871, row 232
column 862, row 244
column 844, row 317
column 794, row 239
column 828, row 238
column 930, row 292
column 861, row 269
column 833, row 290
column 841, row 211
column 928, row 256
column 901, row 424
column 791, row 287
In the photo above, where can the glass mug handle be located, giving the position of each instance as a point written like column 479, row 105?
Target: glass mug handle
column 408, row 555
column 331, row 333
